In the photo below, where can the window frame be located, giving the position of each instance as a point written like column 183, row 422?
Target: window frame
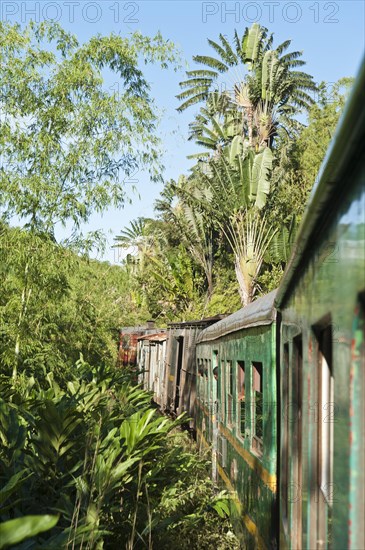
column 322, row 333
column 257, row 443
column 324, row 453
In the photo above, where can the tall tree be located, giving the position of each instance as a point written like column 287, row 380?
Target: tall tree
column 68, row 143
column 265, row 92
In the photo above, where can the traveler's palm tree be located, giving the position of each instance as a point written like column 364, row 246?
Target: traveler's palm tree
column 265, row 89
column 262, row 83
column 250, row 238
column 236, row 212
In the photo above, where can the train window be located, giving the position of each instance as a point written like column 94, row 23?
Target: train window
column 197, row 379
column 326, row 400
column 257, row 407
column 209, row 382
column 221, row 391
column 229, row 372
column 200, row 380
column 206, row 389
column 241, row 397
column 203, row 384
column 215, row 385
column 326, row 421
column 205, row 367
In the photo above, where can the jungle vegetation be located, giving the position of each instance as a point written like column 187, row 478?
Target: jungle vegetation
column 85, row 459
column 223, row 232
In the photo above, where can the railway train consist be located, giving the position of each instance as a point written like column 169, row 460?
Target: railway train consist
column 276, row 390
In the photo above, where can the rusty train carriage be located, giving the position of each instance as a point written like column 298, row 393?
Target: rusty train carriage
column 180, row 391
column 322, row 301
column 128, row 339
column 151, row 353
column 236, row 414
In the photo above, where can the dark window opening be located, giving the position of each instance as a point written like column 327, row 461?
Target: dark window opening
column 296, row 430
column 180, row 353
column 221, row 392
column 326, row 399
column 241, row 396
column 206, row 390
column 257, row 408
column 229, row 374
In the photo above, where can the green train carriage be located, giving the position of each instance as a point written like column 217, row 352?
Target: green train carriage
column 322, row 303
column 236, row 414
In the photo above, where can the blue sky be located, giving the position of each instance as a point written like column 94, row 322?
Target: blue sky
column 330, row 34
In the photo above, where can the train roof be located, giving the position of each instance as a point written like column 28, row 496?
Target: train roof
column 260, row 312
column 138, row 329
column 199, row 323
column 344, row 151
column 156, row 337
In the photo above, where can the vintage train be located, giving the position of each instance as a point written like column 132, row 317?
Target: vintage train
column 276, row 390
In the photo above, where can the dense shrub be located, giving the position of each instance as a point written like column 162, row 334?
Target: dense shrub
column 97, row 456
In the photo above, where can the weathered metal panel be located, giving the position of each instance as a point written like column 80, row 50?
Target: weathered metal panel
column 180, row 373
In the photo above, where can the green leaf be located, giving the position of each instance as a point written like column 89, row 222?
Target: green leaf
column 235, row 149
column 253, row 43
column 261, row 168
column 17, row 530
column 12, row 485
column 222, row 508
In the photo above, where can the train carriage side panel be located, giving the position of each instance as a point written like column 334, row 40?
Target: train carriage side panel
column 323, row 353
column 237, row 416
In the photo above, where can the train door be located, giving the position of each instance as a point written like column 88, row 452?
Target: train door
column 149, row 372
column 180, row 353
column 215, row 409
